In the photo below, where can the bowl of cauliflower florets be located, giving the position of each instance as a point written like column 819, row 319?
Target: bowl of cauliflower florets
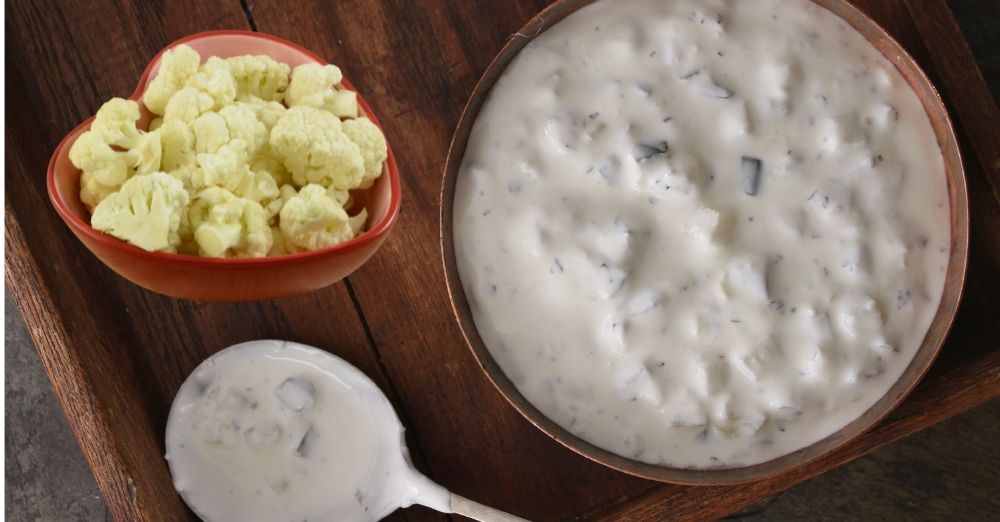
column 243, row 167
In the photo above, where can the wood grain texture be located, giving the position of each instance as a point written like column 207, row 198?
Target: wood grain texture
column 116, row 353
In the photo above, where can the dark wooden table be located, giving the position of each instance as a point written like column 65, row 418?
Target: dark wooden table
column 116, row 353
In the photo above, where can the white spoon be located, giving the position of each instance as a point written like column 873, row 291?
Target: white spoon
column 274, row 430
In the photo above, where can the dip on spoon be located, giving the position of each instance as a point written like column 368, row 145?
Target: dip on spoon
column 274, row 430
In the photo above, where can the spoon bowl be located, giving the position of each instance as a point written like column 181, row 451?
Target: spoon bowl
column 248, row 420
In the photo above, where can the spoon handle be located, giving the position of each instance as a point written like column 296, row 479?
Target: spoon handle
column 477, row 511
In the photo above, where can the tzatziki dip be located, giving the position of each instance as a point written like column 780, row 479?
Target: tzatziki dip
column 702, row 233
column 274, row 430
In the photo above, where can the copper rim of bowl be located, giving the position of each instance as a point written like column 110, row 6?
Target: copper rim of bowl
column 925, row 355
column 373, row 234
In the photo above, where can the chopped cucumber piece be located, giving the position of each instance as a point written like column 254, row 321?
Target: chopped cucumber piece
column 751, row 168
column 645, row 151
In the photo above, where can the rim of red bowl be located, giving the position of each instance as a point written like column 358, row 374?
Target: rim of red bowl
column 368, row 236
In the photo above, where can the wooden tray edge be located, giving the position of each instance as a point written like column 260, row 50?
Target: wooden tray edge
column 68, row 378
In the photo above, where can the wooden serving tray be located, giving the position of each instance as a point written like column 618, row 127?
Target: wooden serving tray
column 116, row 353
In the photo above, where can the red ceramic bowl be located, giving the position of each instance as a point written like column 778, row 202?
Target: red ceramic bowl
column 210, row 279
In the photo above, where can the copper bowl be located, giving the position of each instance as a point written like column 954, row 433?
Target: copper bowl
column 230, row 279
column 925, row 355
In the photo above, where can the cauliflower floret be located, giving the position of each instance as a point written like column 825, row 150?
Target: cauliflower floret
column 312, row 219
column 191, row 176
column 115, row 124
column 268, row 112
column 146, row 157
column 310, row 83
column 370, row 140
column 187, row 245
column 343, row 103
column 223, row 163
column 313, row 85
column 342, row 197
column 215, row 80
column 279, row 247
column 178, row 145
column 146, row 212
column 176, row 66
column 212, row 130
column 243, row 123
column 273, row 207
column 228, row 169
column 266, row 161
column 225, row 225
column 155, row 123
column 259, row 76
column 315, row 149
column 93, row 191
column 187, row 104
column 242, row 182
column 104, row 169
column 258, row 186
column 210, row 133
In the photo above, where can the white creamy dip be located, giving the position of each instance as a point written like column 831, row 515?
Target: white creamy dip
column 271, row 430
column 702, row 233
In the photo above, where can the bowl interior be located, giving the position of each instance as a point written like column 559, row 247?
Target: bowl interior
column 382, row 199
column 954, row 280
